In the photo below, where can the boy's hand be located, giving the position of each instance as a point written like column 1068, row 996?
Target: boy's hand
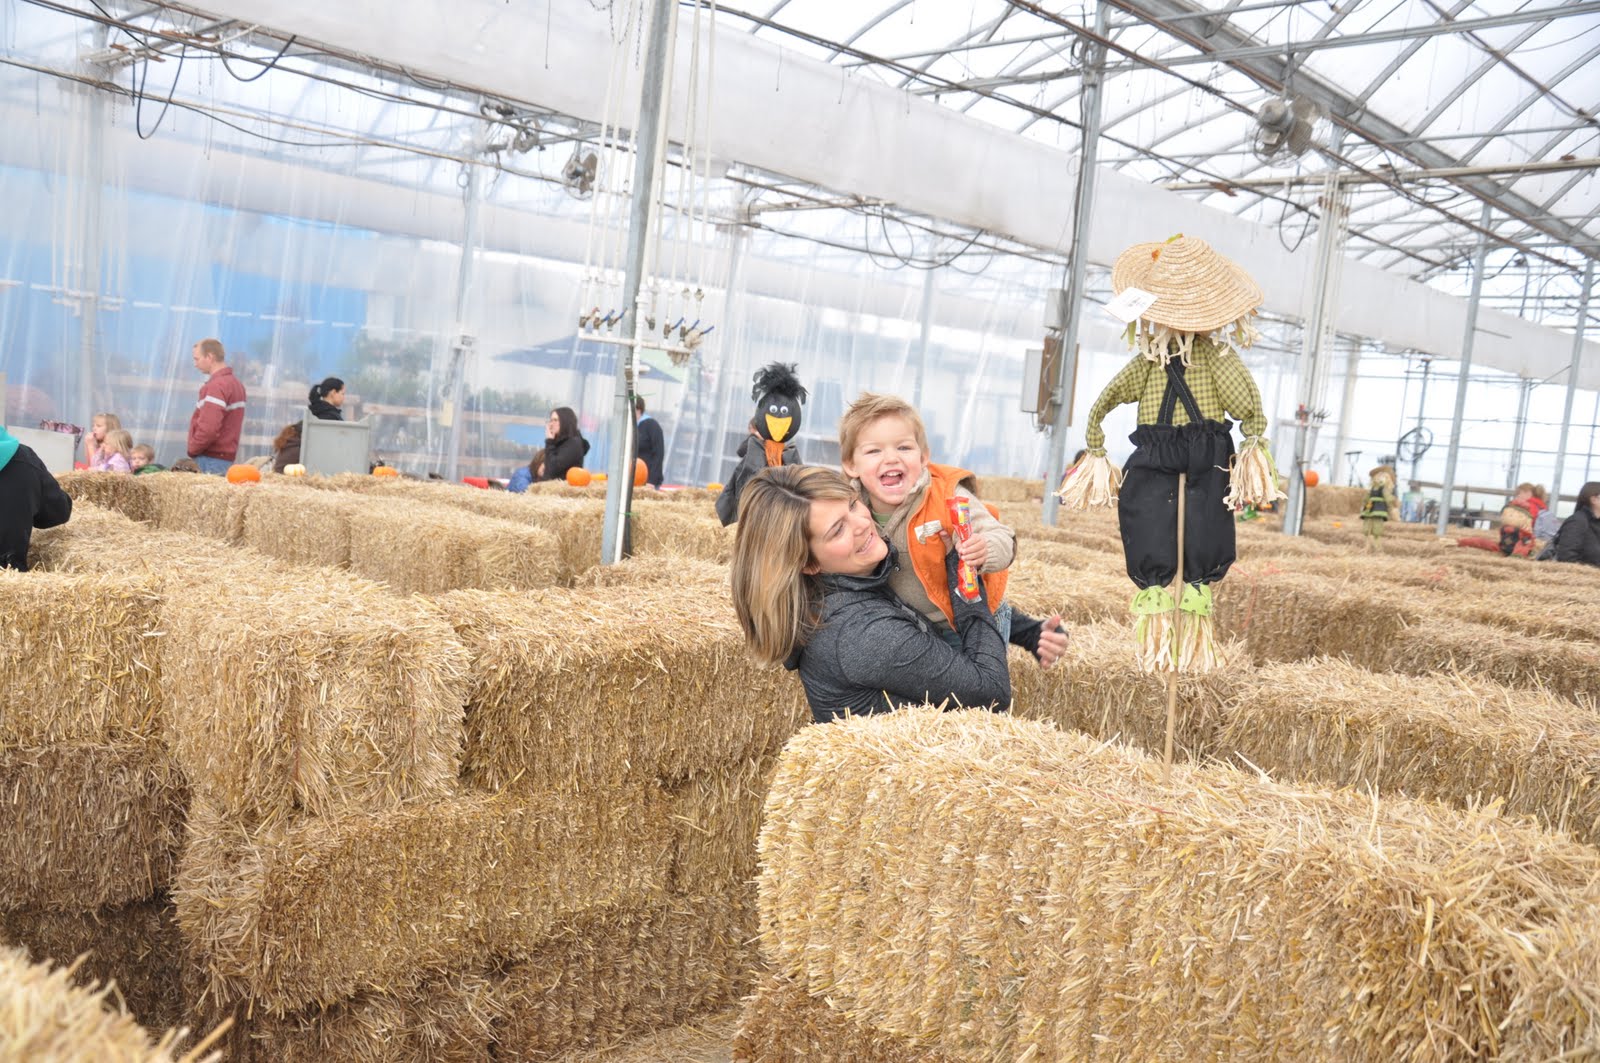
column 975, row 552
column 1052, row 641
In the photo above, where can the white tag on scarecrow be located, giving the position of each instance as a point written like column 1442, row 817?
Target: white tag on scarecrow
column 1127, row 307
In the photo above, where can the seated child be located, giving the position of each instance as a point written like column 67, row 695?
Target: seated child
column 143, row 460
column 529, row 474
column 116, row 452
column 883, row 446
column 1517, row 521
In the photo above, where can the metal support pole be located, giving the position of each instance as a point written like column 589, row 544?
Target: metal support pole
column 1572, row 378
column 1316, row 339
column 730, row 348
column 1352, row 369
column 929, row 283
column 91, row 246
column 1454, row 451
column 653, row 92
column 1514, row 468
column 462, row 340
column 1072, row 304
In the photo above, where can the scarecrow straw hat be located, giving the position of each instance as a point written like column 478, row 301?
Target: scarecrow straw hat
column 1197, row 289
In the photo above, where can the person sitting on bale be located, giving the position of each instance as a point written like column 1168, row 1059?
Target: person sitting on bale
column 529, row 474
column 144, row 460
column 564, row 445
column 29, row 498
column 1578, row 540
column 811, row 590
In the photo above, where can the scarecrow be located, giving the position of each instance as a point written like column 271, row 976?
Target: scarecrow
column 1179, row 492
column 1380, row 506
column 778, row 397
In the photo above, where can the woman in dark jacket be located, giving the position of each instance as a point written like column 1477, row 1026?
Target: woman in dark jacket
column 1579, row 537
column 327, row 400
column 286, row 447
column 564, row 445
column 810, row 587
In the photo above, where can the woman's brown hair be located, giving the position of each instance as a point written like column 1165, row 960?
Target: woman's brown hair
column 778, row 605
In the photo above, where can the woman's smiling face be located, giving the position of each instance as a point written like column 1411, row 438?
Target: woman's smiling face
column 844, row 538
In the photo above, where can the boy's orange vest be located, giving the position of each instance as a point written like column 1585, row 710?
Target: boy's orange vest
column 927, row 558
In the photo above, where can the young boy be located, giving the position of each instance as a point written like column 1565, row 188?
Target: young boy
column 883, row 445
column 143, row 460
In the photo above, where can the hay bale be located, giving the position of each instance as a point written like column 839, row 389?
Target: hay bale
column 1325, row 500
column 703, row 1039
column 137, row 946
column 603, row 977
column 716, row 819
column 128, row 495
column 1096, row 536
column 86, row 824
column 317, row 911
column 1442, row 739
column 670, row 532
column 782, row 1023
column 1063, row 555
column 78, row 659
column 446, row 1019
column 687, row 578
column 429, row 549
column 1097, row 687
column 298, row 697
column 1436, row 644
column 1080, row 595
column 613, row 975
column 569, row 690
column 301, row 527
column 992, row 889
column 1287, row 616
column 45, row 1015
column 1010, row 489
column 199, row 505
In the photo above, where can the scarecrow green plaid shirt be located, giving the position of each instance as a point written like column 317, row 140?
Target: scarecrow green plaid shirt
column 1219, row 380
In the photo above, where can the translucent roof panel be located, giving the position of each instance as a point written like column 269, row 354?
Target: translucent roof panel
column 1400, row 96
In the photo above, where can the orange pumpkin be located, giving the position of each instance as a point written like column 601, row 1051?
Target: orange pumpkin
column 1311, row 477
column 578, row 476
column 641, row 472
column 386, row 472
column 714, row 487
column 244, row 474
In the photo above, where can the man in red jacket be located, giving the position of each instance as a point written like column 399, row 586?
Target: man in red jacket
column 218, row 417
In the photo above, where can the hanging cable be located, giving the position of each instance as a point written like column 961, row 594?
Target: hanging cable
column 258, row 75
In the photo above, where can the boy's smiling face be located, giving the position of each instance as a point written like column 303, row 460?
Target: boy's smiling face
column 887, row 460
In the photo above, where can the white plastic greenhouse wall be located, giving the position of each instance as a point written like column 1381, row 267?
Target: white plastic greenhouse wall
column 315, row 224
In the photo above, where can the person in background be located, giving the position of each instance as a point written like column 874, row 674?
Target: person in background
column 218, row 417
column 116, row 453
column 810, row 585
column 528, row 474
column 94, row 442
column 184, row 465
column 651, row 446
column 1546, row 524
column 1517, row 520
column 143, row 460
column 1579, row 538
column 564, row 445
column 286, row 447
column 29, row 498
column 326, row 401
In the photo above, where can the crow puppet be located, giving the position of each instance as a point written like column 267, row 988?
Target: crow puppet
column 778, row 396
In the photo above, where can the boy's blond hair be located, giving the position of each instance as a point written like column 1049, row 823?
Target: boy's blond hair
column 869, row 408
column 145, row 451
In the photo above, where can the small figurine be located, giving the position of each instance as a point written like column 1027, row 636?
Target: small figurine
column 779, row 397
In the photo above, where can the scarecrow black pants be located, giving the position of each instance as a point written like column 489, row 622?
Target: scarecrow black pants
column 1147, row 505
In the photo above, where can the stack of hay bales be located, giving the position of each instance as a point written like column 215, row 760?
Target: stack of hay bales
column 978, row 887
column 91, row 805
column 46, row 1015
column 1438, row 644
column 372, row 872
column 1013, row 489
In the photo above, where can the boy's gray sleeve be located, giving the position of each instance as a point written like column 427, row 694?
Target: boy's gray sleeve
column 1001, row 539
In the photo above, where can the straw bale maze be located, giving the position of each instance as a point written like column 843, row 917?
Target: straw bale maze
column 392, row 771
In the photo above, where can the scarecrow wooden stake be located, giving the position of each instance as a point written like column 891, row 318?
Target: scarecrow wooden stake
column 1177, row 496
